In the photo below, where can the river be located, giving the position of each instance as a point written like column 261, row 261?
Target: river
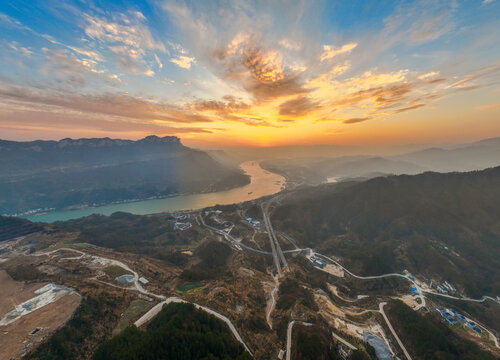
column 262, row 183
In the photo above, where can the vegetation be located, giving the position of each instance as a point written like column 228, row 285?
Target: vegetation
column 312, row 343
column 11, row 227
column 291, row 292
column 115, row 271
column 214, row 256
column 179, row 331
column 68, row 173
column 417, row 223
column 132, row 233
column 90, row 325
column 428, row 338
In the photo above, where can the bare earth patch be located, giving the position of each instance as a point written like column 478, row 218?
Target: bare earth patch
column 29, row 330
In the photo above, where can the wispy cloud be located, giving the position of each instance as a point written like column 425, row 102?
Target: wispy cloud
column 330, row 52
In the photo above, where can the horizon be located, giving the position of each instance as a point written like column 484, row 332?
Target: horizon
column 252, row 74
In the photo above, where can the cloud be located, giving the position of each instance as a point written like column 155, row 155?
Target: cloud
column 300, row 106
column 113, row 104
column 14, row 45
column 127, row 36
column 356, row 120
column 488, row 107
column 429, row 75
column 183, row 61
column 290, row 44
column 62, row 66
column 158, row 61
column 408, row 108
column 88, row 53
column 228, row 105
column 262, row 73
column 420, row 22
column 330, row 52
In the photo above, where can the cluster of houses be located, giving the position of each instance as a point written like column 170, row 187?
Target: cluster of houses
column 318, row 262
column 453, row 318
column 253, row 222
column 446, row 288
column 180, row 222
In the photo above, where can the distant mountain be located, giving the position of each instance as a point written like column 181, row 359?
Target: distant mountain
column 316, row 171
column 476, row 156
column 442, row 226
column 70, row 173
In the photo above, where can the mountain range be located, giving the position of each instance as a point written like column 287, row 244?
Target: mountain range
column 82, row 172
column 431, row 223
column 468, row 157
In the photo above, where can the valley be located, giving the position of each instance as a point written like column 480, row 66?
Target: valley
column 242, row 264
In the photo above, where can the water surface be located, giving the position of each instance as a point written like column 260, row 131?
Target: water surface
column 262, row 183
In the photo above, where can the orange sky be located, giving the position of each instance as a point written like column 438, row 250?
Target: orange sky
column 263, row 74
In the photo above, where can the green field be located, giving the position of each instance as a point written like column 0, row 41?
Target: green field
column 188, row 287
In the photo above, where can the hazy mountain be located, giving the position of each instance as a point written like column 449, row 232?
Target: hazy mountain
column 445, row 225
column 315, row 171
column 60, row 174
column 475, row 156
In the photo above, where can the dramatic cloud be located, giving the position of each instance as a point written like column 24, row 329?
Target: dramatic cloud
column 297, row 69
column 115, row 104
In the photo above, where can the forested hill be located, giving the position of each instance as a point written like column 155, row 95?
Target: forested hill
column 179, row 331
column 445, row 225
column 70, row 173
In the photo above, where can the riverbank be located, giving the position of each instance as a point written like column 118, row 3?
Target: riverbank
column 262, row 183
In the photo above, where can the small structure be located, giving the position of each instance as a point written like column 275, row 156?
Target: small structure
column 182, row 226
column 127, row 278
column 319, row 263
column 144, row 281
column 253, row 222
column 281, row 354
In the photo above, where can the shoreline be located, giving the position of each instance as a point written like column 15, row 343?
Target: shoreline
column 262, row 183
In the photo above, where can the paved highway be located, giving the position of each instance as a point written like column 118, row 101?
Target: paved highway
column 270, row 233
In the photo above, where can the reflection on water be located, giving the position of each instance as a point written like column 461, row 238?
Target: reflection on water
column 262, row 183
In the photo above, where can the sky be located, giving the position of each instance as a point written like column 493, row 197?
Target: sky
column 251, row 73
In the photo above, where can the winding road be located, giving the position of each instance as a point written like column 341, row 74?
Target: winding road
column 138, row 287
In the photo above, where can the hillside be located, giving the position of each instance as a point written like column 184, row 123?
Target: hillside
column 179, row 331
column 11, row 228
column 72, row 173
column 443, row 226
column 428, row 338
column 475, row 156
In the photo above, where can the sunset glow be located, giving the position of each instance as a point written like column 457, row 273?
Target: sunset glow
column 274, row 73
